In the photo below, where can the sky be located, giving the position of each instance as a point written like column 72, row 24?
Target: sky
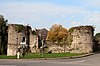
column 45, row 13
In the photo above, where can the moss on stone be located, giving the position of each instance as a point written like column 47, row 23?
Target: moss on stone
column 19, row 28
column 81, row 28
column 70, row 36
column 69, row 39
column 34, row 33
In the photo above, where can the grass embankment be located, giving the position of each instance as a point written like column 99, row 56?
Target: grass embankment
column 30, row 56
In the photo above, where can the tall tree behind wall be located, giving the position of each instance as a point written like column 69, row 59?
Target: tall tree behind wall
column 57, row 33
column 3, row 35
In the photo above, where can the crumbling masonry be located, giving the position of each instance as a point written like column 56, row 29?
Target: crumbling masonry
column 81, row 39
column 18, row 34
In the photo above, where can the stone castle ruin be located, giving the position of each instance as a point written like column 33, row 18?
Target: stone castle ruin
column 80, row 39
column 20, row 36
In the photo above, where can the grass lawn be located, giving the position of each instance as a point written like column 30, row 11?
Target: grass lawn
column 7, row 57
column 30, row 56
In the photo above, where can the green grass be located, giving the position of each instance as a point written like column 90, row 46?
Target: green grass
column 30, row 56
column 53, row 55
column 7, row 57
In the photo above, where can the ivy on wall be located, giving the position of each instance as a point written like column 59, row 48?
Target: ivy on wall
column 3, row 35
column 19, row 28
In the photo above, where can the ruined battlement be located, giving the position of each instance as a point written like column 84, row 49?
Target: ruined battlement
column 81, row 39
column 18, row 34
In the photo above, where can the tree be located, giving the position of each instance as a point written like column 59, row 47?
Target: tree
column 3, row 35
column 57, row 33
column 96, row 45
column 97, row 37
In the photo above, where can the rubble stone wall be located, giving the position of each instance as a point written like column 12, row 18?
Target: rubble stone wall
column 82, row 39
column 15, row 38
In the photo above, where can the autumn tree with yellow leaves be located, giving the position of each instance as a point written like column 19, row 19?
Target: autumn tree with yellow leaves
column 57, row 33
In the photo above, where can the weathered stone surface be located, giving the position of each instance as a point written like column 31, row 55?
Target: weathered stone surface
column 15, row 39
column 58, row 49
column 34, row 43
column 12, row 41
column 82, row 40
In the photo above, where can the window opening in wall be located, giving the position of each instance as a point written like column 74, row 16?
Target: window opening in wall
column 23, row 40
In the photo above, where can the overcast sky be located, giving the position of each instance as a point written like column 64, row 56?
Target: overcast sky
column 45, row 13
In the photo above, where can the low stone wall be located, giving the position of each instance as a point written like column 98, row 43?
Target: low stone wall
column 58, row 49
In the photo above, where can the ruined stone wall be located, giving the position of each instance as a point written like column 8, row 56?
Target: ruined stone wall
column 14, row 40
column 58, row 49
column 12, row 43
column 82, row 39
column 33, row 43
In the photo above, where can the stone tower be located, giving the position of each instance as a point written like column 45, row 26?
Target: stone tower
column 19, row 35
column 15, row 37
column 81, row 39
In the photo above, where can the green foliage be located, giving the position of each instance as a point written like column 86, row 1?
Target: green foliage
column 81, row 27
column 7, row 57
column 52, row 55
column 19, row 28
column 69, row 39
column 34, row 33
column 3, row 36
column 71, row 29
column 97, row 37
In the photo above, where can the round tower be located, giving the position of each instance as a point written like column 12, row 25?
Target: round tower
column 82, row 39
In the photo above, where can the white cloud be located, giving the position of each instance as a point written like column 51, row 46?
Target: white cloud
column 93, row 3
column 37, row 12
column 41, row 8
column 73, row 23
column 94, row 20
column 44, row 14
